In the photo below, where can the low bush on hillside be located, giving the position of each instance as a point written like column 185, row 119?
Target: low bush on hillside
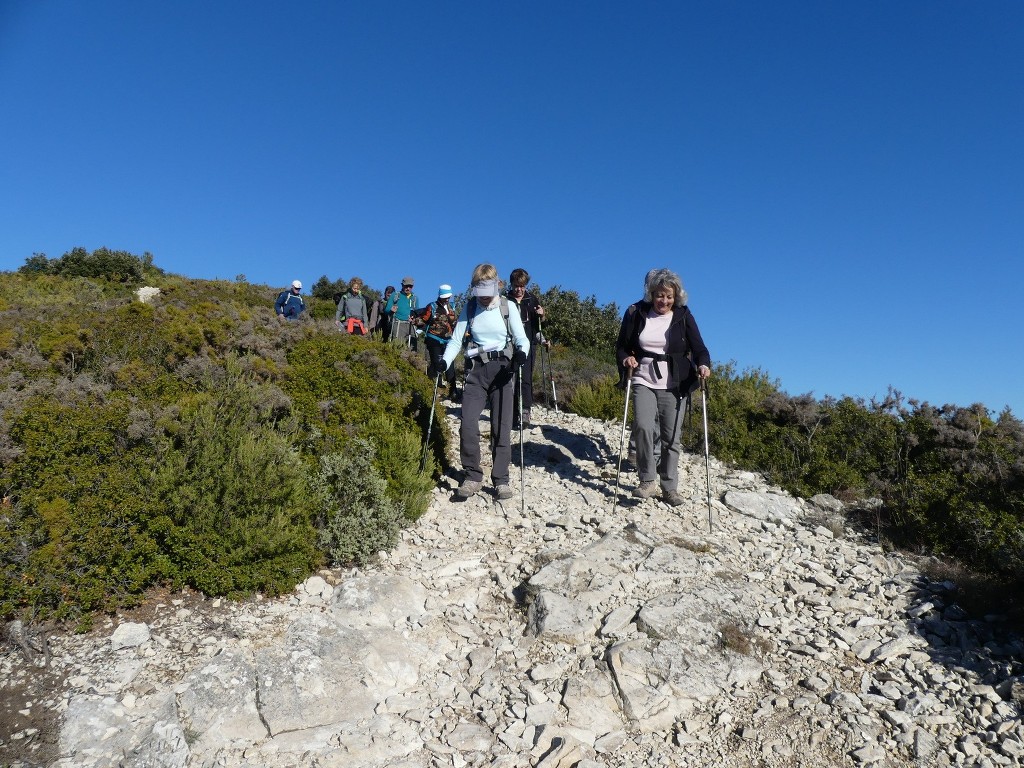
column 358, row 519
column 232, row 509
column 600, row 398
column 73, row 533
column 184, row 441
column 951, row 478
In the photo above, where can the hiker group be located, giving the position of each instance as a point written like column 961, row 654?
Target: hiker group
column 660, row 353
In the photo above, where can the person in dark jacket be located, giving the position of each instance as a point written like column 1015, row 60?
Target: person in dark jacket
column 531, row 313
column 383, row 318
column 289, row 304
column 660, row 346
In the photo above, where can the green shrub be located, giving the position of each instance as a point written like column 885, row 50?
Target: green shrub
column 116, row 266
column 322, row 309
column 357, row 519
column 570, row 370
column 398, row 458
column 599, row 399
column 338, row 382
column 236, row 512
column 75, row 538
column 580, row 324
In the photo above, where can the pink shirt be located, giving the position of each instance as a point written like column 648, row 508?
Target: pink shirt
column 654, row 338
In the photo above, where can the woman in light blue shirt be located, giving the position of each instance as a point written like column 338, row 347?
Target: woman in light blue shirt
column 495, row 351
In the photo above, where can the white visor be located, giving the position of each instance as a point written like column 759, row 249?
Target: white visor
column 486, row 288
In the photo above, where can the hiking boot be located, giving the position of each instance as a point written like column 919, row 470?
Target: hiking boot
column 646, row 489
column 468, row 488
column 503, row 491
column 672, row 498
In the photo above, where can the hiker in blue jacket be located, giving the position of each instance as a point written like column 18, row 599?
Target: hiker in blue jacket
column 496, row 349
column 289, row 304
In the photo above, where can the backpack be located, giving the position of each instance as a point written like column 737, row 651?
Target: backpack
column 440, row 324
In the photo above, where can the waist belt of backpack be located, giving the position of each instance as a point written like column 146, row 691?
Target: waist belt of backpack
column 657, row 358
column 436, row 337
column 494, row 355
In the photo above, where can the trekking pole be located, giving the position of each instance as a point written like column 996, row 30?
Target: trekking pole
column 707, row 452
column 522, row 454
column 551, row 377
column 546, row 357
column 622, row 437
column 430, row 424
column 544, row 362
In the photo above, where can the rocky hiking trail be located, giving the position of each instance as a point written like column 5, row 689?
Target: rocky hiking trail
column 559, row 637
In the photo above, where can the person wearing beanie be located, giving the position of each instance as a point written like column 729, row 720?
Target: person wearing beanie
column 400, row 306
column 289, row 304
column 437, row 320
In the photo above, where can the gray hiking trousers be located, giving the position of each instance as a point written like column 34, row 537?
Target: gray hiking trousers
column 488, row 384
column 657, row 428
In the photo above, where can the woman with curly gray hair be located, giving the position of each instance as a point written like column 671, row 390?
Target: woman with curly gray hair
column 660, row 346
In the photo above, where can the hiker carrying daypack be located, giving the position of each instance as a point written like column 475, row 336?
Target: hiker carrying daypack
column 289, row 304
column 437, row 320
column 661, row 353
column 495, row 350
column 400, row 306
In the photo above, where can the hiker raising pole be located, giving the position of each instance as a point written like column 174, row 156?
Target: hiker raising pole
column 660, row 345
column 496, row 348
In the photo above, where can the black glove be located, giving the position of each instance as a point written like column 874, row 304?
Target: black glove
column 518, row 358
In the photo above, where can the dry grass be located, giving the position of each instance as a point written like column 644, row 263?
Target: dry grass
column 699, row 547
column 737, row 638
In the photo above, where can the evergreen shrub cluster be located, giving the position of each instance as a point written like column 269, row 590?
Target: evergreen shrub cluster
column 193, row 440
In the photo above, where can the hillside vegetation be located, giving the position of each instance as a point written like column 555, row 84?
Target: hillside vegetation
column 192, row 440
column 195, row 440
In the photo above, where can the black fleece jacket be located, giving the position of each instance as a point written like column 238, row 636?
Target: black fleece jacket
column 684, row 347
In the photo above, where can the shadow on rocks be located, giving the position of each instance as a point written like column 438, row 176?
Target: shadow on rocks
column 972, row 622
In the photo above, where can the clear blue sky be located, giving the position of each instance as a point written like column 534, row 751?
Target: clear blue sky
column 840, row 184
